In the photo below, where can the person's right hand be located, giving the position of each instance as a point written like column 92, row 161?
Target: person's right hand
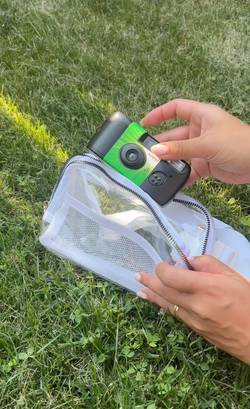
column 216, row 143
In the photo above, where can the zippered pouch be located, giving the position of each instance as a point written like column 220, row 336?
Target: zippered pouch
column 103, row 222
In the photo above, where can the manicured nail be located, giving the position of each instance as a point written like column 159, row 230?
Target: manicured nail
column 142, row 123
column 137, row 277
column 190, row 258
column 142, row 295
column 159, row 150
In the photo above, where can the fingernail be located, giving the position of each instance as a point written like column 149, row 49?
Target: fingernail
column 190, row 258
column 142, row 123
column 159, row 149
column 137, row 277
column 142, row 295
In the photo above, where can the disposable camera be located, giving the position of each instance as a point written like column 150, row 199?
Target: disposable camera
column 125, row 146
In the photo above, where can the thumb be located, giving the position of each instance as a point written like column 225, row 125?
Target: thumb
column 210, row 264
column 186, row 149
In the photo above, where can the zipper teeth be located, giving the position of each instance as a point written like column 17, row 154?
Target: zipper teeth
column 200, row 207
column 184, row 258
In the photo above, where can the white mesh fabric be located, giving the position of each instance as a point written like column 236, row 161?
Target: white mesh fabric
column 93, row 239
column 98, row 248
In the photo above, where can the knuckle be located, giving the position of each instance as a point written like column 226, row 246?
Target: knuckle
column 166, row 274
column 201, row 310
column 160, row 270
column 197, row 326
column 178, row 149
column 202, row 313
column 214, row 109
column 212, row 288
column 161, row 266
column 162, row 292
column 207, row 259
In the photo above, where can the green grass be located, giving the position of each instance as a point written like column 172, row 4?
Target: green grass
column 67, row 338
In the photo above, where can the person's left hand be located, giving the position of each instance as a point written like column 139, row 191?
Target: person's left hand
column 213, row 300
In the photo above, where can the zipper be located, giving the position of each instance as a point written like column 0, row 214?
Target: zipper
column 149, row 206
column 205, row 213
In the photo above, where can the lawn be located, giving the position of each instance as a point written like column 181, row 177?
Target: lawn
column 68, row 339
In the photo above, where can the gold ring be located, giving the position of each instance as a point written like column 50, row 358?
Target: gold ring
column 176, row 312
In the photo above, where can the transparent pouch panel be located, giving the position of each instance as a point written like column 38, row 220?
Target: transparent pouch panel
column 193, row 223
column 92, row 188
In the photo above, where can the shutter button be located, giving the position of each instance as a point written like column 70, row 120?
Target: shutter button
column 157, row 178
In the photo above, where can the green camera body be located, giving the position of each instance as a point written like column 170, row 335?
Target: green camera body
column 125, row 146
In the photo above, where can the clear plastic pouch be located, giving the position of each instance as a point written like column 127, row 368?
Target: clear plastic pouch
column 100, row 220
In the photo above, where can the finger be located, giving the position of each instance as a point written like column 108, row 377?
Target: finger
column 210, row 264
column 150, row 296
column 176, row 134
column 194, row 174
column 183, row 149
column 193, row 177
column 179, row 279
column 190, row 318
column 181, row 108
column 171, row 295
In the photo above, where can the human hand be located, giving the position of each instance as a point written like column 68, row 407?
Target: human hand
column 213, row 300
column 216, row 143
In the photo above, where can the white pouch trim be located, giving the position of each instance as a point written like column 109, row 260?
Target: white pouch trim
column 126, row 182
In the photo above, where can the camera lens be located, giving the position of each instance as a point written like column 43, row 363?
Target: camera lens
column 132, row 156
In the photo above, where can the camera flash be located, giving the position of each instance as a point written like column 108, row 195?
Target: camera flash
column 178, row 164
